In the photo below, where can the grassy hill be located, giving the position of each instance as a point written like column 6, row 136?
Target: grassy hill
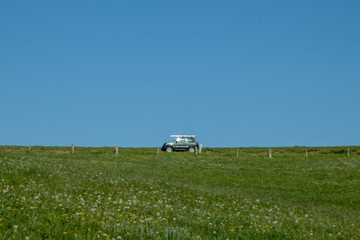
column 50, row 193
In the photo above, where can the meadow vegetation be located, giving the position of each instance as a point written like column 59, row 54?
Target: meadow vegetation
column 50, row 193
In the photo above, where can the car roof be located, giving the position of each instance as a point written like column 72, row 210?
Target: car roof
column 183, row 136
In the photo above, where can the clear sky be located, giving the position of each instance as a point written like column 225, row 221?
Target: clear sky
column 235, row 73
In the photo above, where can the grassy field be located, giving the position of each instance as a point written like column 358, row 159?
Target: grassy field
column 51, row 194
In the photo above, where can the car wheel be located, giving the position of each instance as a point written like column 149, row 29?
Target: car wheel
column 191, row 149
column 169, row 149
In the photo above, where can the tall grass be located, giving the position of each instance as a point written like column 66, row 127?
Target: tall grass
column 51, row 194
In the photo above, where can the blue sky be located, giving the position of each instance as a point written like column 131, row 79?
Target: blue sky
column 235, row 73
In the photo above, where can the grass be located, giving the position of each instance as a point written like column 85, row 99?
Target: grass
column 51, row 194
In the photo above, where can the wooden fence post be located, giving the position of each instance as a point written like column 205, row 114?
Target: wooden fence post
column 348, row 152
column 116, row 149
column 72, row 149
column 157, row 151
column 29, row 146
column 237, row 152
column 270, row 156
column 306, row 153
column 200, row 148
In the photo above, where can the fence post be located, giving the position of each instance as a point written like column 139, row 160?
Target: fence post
column 270, row 156
column 200, row 148
column 237, row 152
column 29, row 146
column 116, row 149
column 196, row 150
column 348, row 152
column 157, row 151
column 306, row 153
column 72, row 149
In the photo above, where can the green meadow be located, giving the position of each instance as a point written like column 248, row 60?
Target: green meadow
column 49, row 193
